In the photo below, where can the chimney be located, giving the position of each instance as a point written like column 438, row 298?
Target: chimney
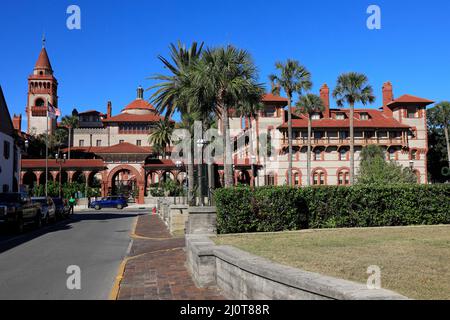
column 388, row 96
column 109, row 110
column 17, row 122
column 325, row 96
column 140, row 93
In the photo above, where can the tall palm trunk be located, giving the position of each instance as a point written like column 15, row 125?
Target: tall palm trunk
column 250, row 138
column 447, row 143
column 308, row 154
column 289, row 141
column 191, row 175
column 227, row 163
column 70, row 134
column 352, row 146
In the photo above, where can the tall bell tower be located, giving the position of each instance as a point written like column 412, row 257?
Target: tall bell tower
column 42, row 88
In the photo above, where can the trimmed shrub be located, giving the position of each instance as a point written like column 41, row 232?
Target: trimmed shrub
column 271, row 209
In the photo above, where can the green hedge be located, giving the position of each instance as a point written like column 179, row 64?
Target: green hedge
column 271, row 209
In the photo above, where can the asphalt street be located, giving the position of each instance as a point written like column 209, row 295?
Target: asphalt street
column 34, row 265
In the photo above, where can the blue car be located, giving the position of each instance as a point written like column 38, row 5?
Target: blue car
column 110, row 202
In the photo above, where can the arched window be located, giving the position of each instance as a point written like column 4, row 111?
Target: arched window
column 317, row 155
column 39, row 102
column 391, row 154
column 343, row 154
column 343, row 177
column 270, row 179
column 414, row 155
column 319, row 178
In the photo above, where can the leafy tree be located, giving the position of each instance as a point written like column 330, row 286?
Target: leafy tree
column 161, row 136
column 293, row 78
column 308, row 105
column 70, row 122
column 438, row 119
column 374, row 169
column 352, row 88
column 227, row 78
column 173, row 92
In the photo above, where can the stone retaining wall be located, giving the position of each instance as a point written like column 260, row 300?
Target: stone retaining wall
column 241, row 275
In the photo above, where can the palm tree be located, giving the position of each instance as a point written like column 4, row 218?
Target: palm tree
column 293, row 78
column 70, row 122
column 161, row 136
column 439, row 116
column 308, row 105
column 227, row 76
column 250, row 111
column 352, row 88
column 173, row 92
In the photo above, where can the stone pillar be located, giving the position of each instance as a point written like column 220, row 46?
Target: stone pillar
column 38, row 177
column 202, row 220
column 54, row 175
column 141, row 196
column 70, row 176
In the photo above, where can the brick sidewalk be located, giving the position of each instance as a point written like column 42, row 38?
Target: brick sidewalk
column 158, row 272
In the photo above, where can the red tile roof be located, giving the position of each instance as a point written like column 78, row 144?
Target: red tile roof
column 376, row 120
column 43, row 61
column 156, row 163
column 72, row 163
column 121, row 148
column 269, row 97
column 140, row 104
column 126, row 117
column 407, row 98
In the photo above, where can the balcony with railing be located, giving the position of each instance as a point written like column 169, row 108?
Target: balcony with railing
column 339, row 141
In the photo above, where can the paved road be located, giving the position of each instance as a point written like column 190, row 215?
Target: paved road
column 34, row 265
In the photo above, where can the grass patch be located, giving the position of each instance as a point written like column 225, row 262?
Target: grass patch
column 414, row 261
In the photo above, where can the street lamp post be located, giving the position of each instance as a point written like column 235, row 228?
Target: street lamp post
column 178, row 164
column 255, row 176
column 60, row 161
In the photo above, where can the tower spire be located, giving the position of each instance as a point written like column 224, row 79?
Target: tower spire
column 43, row 40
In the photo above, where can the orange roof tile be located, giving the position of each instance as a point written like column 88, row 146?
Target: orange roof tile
column 72, row 163
column 407, row 98
column 126, row 117
column 376, row 120
column 140, row 104
column 43, row 61
column 269, row 97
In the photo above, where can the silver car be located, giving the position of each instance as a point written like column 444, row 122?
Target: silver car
column 48, row 208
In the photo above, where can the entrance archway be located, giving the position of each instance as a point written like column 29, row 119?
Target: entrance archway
column 127, row 181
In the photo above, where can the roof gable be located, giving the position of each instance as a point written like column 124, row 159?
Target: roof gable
column 6, row 125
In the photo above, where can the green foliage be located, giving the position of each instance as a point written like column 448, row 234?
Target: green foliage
column 271, row 209
column 438, row 121
column 169, row 188
column 68, row 190
column 375, row 170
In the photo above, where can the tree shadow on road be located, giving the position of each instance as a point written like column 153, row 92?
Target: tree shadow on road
column 9, row 240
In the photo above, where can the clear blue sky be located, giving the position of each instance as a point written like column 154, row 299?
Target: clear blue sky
column 117, row 47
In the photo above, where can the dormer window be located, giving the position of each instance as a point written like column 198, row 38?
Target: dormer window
column 364, row 116
column 411, row 112
column 340, row 116
column 315, row 116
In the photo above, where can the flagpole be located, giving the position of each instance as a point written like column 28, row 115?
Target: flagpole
column 46, row 156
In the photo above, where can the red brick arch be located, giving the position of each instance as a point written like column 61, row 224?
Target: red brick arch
column 139, row 179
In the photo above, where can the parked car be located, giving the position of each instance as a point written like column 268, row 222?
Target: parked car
column 118, row 202
column 17, row 210
column 48, row 211
column 62, row 208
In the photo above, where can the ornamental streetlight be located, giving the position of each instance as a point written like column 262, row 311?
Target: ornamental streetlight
column 60, row 161
column 254, row 173
column 411, row 165
column 179, row 165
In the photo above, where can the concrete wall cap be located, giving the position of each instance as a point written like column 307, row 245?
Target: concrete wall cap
column 202, row 210
column 307, row 281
